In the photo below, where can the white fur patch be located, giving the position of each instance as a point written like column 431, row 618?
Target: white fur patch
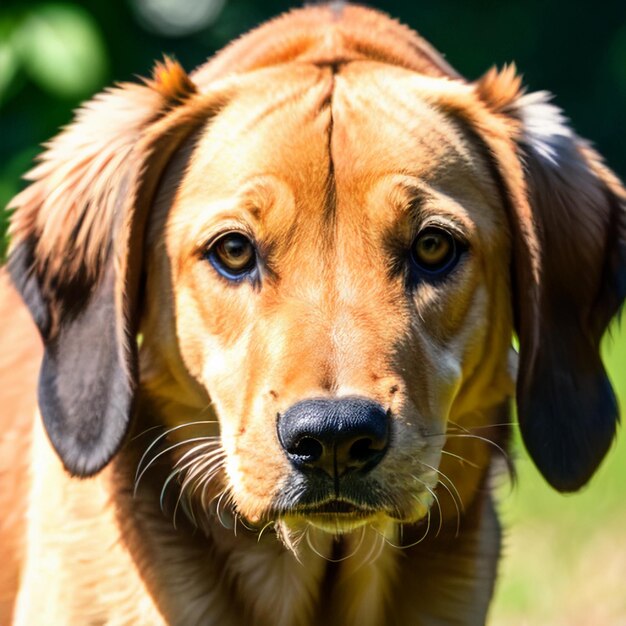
column 545, row 125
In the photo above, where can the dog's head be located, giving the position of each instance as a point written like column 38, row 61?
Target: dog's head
column 326, row 240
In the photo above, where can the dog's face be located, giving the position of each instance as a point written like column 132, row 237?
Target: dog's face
column 332, row 283
column 336, row 253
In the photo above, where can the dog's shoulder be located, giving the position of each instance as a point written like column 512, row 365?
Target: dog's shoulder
column 20, row 356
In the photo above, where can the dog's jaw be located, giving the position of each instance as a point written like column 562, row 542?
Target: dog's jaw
column 363, row 565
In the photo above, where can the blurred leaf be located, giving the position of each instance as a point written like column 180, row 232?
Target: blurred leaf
column 9, row 62
column 8, row 67
column 62, row 50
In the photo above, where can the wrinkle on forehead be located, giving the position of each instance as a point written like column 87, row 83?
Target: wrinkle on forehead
column 276, row 124
column 383, row 116
column 264, row 159
column 395, row 152
column 299, row 143
column 315, row 128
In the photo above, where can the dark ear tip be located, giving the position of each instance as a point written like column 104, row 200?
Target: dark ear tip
column 569, row 480
column 86, row 449
column 79, row 466
column 568, row 468
column 568, row 434
column 87, row 468
column 82, row 457
column 85, row 394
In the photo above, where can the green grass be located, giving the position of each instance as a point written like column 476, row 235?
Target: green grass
column 564, row 559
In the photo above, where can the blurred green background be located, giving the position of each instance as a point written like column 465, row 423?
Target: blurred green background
column 565, row 557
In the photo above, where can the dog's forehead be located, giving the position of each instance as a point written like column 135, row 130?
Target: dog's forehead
column 313, row 137
column 395, row 147
column 384, row 123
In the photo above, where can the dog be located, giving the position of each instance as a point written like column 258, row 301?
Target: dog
column 272, row 303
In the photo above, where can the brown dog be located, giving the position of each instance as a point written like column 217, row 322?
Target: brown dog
column 276, row 300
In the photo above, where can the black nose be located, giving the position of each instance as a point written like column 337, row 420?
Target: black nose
column 335, row 435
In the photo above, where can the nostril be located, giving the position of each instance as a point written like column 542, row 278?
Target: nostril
column 362, row 450
column 308, row 449
column 334, row 435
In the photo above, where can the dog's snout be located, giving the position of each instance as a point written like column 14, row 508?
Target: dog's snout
column 334, row 435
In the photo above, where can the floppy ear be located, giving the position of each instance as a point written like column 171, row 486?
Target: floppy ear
column 76, row 256
column 569, row 231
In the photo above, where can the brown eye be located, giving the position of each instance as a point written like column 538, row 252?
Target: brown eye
column 233, row 255
column 434, row 251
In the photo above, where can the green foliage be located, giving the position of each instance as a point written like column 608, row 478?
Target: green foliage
column 59, row 47
column 62, row 50
column 55, row 50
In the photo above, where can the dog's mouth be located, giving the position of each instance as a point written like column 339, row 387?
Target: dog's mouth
column 335, row 507
column 334, row 515
column 354, row 501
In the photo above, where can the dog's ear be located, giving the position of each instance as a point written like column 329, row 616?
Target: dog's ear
column 76, row 256
column 568, row 216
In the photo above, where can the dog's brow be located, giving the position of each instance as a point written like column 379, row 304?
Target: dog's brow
column 414, row 201
column 407, row 193
column 263, row 204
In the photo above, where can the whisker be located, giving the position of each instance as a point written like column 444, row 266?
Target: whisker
column 201, row 461
column 170, row 477
column 376, row 555
column 358, row 547
column 467, row 429
column 313, row 548
column 434, row 495
column 457, row 505
column 147, row 430
column 368, row 558
column 202, row 464
column 242, row 519
column 178, row 470
column 156, row 456
column 230, row 506
column 210, row 441
column 187, row 506
column 482, row 426
column 485, row 439
column 461, row 459
column 289, row 539
column 219, row 502
column 456, row 491
column 270, row 523
column 205, row 481
column 343, row 558
column 456, row 500
column 435, row 498
column 411, row 545
column 165, row 434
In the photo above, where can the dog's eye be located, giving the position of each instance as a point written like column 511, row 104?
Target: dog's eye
column 233, row 255
column 435, row 252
